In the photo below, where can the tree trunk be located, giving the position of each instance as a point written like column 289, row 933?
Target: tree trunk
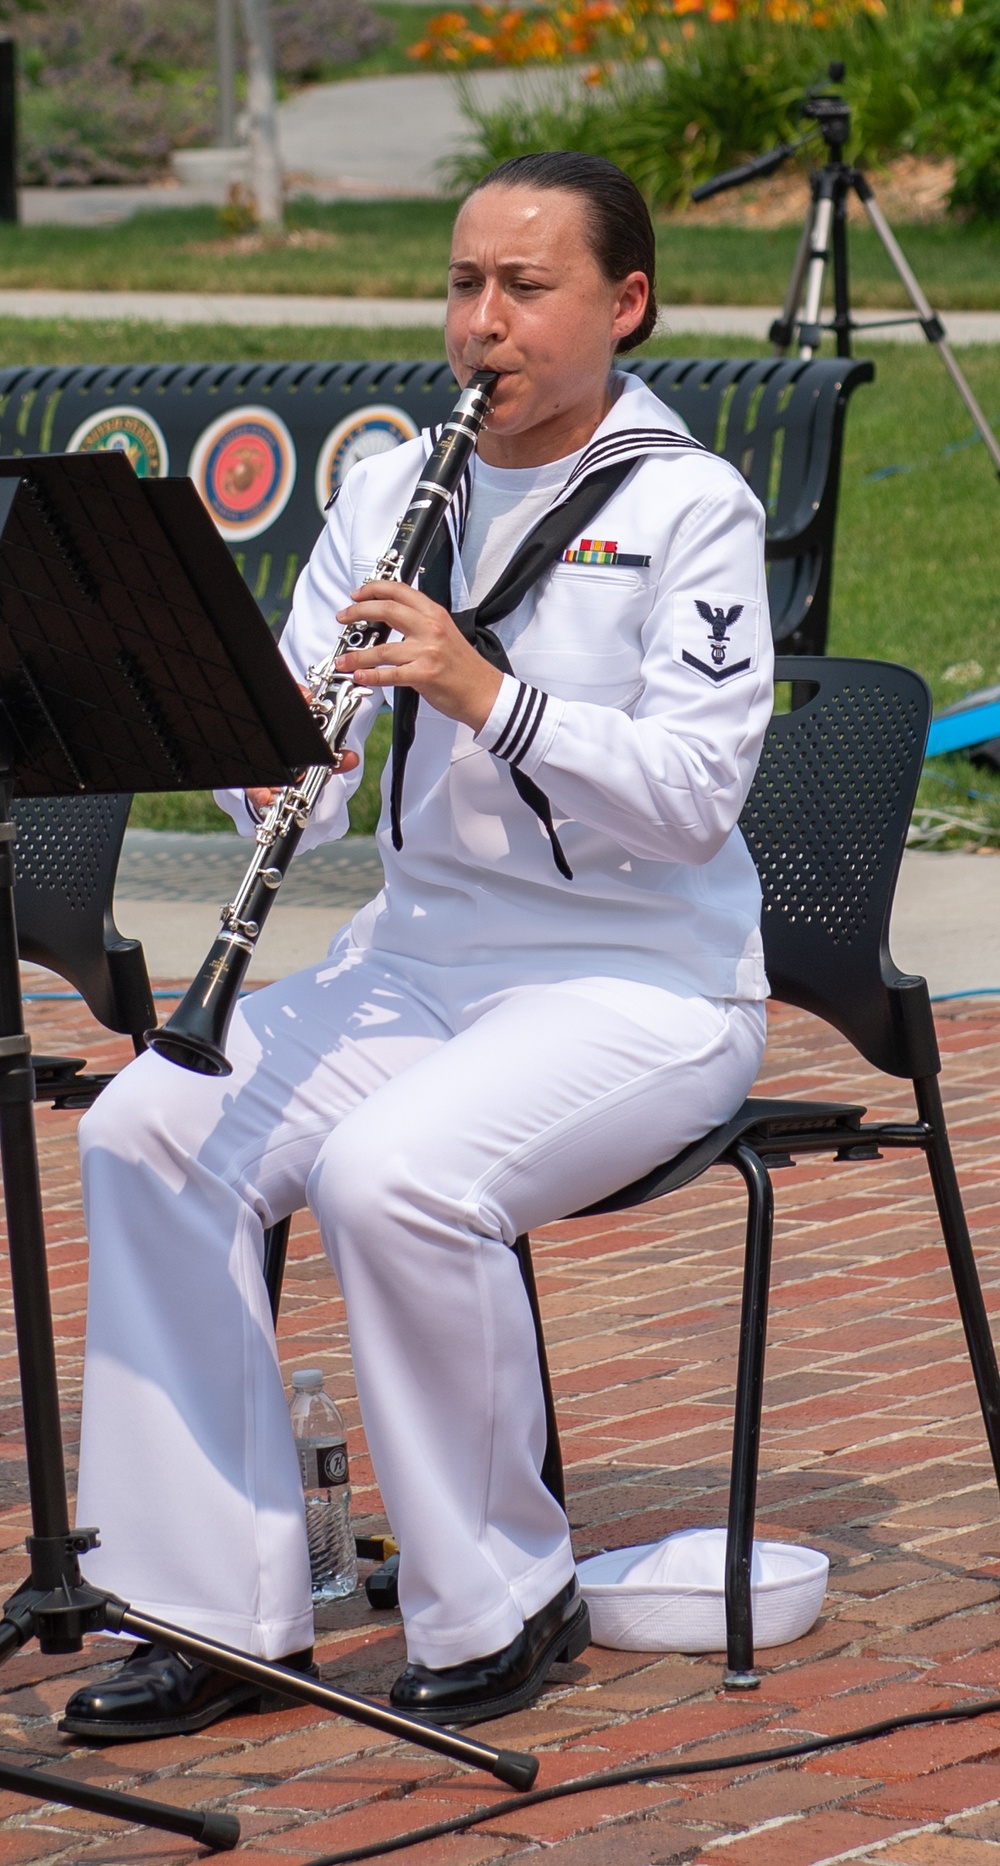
column 265, row 161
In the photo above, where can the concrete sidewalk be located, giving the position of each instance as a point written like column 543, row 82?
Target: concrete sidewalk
column 171, row 888
column 300, row 309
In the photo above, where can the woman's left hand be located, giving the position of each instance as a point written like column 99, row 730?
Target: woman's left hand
column 433, row 656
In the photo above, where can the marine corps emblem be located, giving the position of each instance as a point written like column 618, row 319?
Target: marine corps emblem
column 244, row 469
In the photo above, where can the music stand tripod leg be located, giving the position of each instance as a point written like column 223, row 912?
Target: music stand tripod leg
column 930, row 323
column 55, row 1605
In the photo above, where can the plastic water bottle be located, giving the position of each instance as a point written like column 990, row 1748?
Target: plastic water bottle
column 319, row 1435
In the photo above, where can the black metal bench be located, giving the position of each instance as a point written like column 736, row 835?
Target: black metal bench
column 265, row 441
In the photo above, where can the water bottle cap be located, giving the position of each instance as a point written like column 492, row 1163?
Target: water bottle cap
column 307, row 1379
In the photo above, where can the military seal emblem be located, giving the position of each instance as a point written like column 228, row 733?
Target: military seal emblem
column 124, row 430
column 374, row 430
column 244, row 468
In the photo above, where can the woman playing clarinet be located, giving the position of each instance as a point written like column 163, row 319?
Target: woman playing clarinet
column 560, row 984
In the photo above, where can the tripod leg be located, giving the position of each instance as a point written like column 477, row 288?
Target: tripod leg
column 810, row 333
column 219, row 1831
column 515, row 1767
column 841, row 292
column 933, row 328
column 26, row 1234
column 782, row 331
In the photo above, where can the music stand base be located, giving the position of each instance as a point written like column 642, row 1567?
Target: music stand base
column 55, row 1605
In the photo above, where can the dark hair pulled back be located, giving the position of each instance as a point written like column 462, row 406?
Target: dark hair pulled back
column 619, row 229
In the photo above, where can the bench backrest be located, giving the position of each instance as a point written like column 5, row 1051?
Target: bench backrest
column 267, row 441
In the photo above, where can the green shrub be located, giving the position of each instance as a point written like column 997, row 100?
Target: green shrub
column 720, row 94
column 959, row 71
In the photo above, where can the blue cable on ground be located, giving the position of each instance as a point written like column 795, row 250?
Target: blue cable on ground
column 979, row 991
column 65, row 997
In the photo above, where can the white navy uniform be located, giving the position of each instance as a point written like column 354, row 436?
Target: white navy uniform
column 487, row 1047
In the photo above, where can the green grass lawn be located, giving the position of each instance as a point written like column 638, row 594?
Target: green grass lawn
column 385, row 249
column 958, row 267
column 917, row 574
column 66, row 340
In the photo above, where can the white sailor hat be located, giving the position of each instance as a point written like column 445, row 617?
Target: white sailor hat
column 670, row 1596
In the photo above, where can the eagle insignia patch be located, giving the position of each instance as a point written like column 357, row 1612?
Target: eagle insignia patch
column 715, row 635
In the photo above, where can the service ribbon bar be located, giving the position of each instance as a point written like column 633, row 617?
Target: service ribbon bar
column 605, row 551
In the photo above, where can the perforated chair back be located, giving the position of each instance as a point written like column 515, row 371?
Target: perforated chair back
column 826, row 823
column 65, row 861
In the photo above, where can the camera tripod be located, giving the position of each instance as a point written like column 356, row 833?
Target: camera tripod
column 824, row 235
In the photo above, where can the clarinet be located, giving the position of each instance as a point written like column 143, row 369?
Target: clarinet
column 195, row 1036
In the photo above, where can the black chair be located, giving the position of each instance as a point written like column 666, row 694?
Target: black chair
column 66, row 859
column 826, row 823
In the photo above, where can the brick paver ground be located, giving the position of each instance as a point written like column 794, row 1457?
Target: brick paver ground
column 873, row 1450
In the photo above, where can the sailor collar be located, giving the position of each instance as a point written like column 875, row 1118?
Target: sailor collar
column 634, row 428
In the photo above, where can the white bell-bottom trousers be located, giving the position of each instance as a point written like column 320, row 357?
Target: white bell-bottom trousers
column 424, row 1131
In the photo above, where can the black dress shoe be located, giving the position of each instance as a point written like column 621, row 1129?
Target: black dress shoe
column 503, row 1681
column 160, row 1693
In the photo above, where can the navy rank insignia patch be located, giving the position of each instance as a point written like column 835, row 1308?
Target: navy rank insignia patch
column 715, row 635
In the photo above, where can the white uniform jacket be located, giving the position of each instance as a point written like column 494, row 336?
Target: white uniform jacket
column 639, row 698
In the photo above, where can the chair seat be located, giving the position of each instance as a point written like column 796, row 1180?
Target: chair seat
column 775, row 1129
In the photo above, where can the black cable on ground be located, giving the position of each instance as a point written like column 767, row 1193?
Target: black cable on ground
column 654, row 1772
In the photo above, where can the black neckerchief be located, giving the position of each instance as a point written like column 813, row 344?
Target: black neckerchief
column 543, row 547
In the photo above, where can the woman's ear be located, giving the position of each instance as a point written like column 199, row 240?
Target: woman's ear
column 630, row 306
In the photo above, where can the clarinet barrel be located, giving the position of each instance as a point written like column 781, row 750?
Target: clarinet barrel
column 195, row 1036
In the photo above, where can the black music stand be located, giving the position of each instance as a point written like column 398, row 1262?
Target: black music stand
column 132, row 657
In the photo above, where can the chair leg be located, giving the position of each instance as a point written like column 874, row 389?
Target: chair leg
column 740, row 1674
column 552, row 1466
column 965, row 1276
column 275, row 1252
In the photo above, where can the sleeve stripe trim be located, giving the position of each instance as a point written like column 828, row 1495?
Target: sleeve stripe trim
column 513, row 726
column 537, row 708
column 522, row 725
